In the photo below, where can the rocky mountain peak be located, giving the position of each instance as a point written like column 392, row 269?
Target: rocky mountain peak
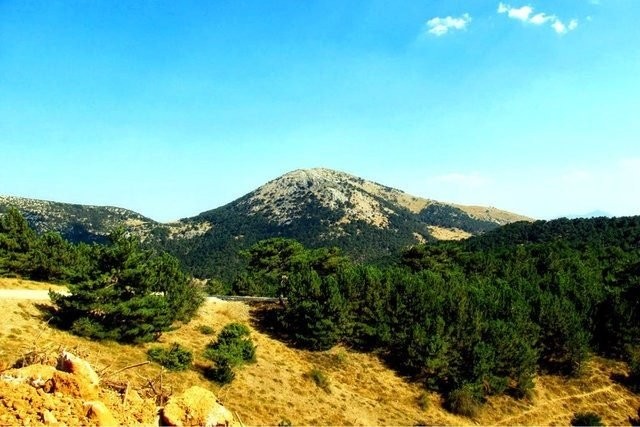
column 284, row 199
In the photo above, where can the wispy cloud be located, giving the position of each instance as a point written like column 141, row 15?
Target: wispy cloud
column 440, row 26
column 526, row 15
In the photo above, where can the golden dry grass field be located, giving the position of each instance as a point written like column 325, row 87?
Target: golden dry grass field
column 362, row 390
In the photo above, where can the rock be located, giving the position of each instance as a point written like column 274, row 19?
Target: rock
column 68, row 362
column 98, row 413
column 48, row 417
column 197, row 406
column 71, row 385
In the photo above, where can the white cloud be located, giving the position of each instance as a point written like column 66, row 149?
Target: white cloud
column 441, row 26
column 525, row 14
column 522, row 13
column 541, row 18
column 559, row 27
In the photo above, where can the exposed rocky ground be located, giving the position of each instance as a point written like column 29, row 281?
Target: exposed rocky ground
column 72, row 393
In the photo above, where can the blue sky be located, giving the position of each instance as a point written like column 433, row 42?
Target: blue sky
column 171, row 108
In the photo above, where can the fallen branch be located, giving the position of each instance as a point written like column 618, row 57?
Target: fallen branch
column 127, row 367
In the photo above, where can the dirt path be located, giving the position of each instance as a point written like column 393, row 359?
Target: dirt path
column 27, row 294
column 31, row 294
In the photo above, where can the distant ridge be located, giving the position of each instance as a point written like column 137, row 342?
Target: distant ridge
column 318, row 207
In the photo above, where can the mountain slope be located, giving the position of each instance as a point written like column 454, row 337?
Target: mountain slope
column 318, row 207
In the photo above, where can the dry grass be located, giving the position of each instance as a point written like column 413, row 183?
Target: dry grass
column 277, row 387
column 492, row 214
column 442, row 233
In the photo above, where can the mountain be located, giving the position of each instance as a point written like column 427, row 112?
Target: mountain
column 87, row 223
column 318, row 207
column 77, row 222
column 323, row 207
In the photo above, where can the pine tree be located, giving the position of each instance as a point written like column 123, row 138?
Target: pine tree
column 133, row 296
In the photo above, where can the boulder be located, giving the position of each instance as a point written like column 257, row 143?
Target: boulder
column 197, row 406
column 68, row 362
column 98, row 413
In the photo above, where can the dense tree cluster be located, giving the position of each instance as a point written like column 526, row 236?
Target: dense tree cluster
column 117, row 291
column 476, row 317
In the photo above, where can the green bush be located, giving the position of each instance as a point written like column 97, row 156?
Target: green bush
column 463, row 401
column 586, row 419
column 234, row 331
column 206, row 330
column 176, row 358
column 233, row 346
column 319, row 378
column 221, row 373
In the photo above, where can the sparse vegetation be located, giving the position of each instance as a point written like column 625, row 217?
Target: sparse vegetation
column 176, row 358
column 463, row 401
column 320, row 379
column 206, row 330
column 423, row 401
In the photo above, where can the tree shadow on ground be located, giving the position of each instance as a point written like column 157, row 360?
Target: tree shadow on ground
column 265, row 317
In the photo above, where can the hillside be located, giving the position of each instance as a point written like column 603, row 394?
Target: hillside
column 78, row 223
column 88, row 223
column 362, row 390
column 318, row 207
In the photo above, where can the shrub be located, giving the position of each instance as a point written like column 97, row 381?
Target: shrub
column 221, row 373
column 206, row 330
column 463, row 401
column 423, row 401
column 586, row 419
column 234, row 331
column 319, row 378
column 233, row 347
column 176, row 358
